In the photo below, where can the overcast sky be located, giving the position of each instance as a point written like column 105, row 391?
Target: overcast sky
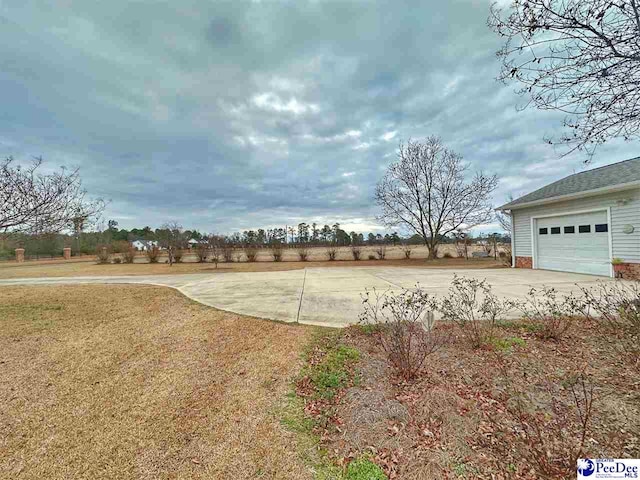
column 234, row 115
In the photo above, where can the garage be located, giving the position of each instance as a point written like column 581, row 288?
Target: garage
column 573, row 243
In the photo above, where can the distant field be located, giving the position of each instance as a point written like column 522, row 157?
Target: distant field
column 61, row 269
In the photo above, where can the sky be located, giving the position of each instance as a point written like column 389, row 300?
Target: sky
column 232, row 115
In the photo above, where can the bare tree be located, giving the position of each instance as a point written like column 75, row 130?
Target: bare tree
column 426, row 191
column 31, row 201
column 172, row 239
column 579, row 57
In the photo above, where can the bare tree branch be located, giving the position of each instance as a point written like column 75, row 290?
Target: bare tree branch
column 581, row 58
column 43, row 203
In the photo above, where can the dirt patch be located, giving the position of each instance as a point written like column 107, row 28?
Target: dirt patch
column 457, row 420
column 140, row 382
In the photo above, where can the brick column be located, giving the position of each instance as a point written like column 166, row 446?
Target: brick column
column 20, row 255
column 66, row 253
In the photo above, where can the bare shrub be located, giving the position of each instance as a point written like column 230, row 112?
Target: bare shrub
column 251, row 252
column 117, row 260
column 103, row 254
column 129, row 255
column 215, row 253
column 472, row 305
column 227, row 253
column 177, row 255
column 616, row 306
column 276, row 251
column 332, row 252
column 153, row 254
column 238, row 255
column 403, row 326
column 303, row 253
column 551, row 315
column 407, row 249
column 356, row 251
column 381, row 251
column 549, row 427
column 371, row 257
column 202, row 252
column 447, row 255
column 505, row 255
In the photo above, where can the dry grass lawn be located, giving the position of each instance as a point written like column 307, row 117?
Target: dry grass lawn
column 139, row 382
column 89, row 268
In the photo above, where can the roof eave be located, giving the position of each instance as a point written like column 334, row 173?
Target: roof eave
column 571, row 196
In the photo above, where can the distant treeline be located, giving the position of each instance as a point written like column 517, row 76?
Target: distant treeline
column 51, row 244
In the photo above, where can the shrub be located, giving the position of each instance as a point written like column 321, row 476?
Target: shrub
column 251, row 252
column 549, row 430
column 447, row 255
column 238, row 256
column 153, row 253
column 120, row 246
column 505, row 255
column 332, row 253
column 103, row 254
column 616, row 306
column 276, row 251
column 215, row 254
column 406, row 248
column 177, row 255
column 356, row 251
column 371, row 257
column 227, row 253
column 202, row 252
column 117, row 260
column 129, row 255
column 381, row 251
column 303, row 253
column 403, row 326
column 472, row 305
column 551, row 314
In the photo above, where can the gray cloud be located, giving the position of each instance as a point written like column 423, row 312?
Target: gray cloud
column 230, row 115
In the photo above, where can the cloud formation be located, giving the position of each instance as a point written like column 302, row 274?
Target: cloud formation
column 233, row 115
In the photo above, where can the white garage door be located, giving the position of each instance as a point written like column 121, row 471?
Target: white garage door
column 574, row 243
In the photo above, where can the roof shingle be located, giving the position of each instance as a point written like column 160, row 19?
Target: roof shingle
column 601, row 177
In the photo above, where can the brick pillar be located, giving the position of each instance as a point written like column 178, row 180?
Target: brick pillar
column 66, row 253
column 20, row 255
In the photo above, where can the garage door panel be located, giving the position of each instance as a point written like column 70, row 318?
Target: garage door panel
column 581, row 252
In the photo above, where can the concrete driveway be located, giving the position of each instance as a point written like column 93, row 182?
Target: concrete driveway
column 325, row 296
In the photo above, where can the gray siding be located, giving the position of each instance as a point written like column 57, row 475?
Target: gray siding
column 625, row 246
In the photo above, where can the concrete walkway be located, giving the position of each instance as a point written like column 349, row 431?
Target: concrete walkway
column 324, row 296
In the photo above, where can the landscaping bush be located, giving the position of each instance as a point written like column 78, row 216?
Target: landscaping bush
column 129, row 255
column 117, row 260
column 276, row 251
column 447, row 255
column 403, row 326
column 177, row 255
column 472, row 305
column 227, row 253
column 303, row 253
column 549, row 429
column 251, row 252
column 356, row 251
column 371, row 257
column 103, row 254
column 120, row 246
column 406, row 248
column 202, row 253
column 215, row 254
column 552, row 315
column 381, row 251
column 332, row 253
column 153, row 254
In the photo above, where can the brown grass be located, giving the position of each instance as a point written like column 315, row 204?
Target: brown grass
column 62, row 269
column 139, row 382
